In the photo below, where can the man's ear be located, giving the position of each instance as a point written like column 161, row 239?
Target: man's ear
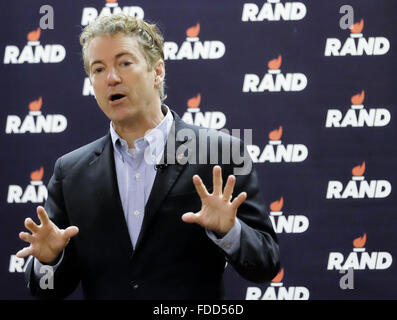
column 159, row 72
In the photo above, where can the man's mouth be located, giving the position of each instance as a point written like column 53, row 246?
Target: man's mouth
column 117, row 96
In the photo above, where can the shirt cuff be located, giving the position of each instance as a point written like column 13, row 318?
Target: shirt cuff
column 230, row 243
column 37, row 266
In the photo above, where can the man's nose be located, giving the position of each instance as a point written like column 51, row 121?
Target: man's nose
column 113, row 77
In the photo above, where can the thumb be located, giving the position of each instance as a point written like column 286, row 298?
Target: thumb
column 190, row 217
column 70, row 232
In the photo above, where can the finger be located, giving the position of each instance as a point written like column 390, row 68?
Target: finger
column 200, row 187
column 25, row 236
column 239, row 200
column 42, row 214
column 190, row 217
column 24, row 252
column 217, row 180
column 70, row 232
column 30, row 225
column 229, row 187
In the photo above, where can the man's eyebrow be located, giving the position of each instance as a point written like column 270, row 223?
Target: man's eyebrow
column 117, row 56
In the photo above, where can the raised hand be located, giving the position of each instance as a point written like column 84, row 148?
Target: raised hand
column 46, row 240
column 217, row 213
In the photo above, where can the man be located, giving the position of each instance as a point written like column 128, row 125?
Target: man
column 127, row 228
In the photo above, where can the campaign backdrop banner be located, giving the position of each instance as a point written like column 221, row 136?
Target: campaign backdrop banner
column 315, row 84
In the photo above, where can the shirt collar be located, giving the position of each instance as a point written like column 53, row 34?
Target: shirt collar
column 152, row 138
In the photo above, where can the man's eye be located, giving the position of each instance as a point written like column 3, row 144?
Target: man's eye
column 126, row 63
column 98, row 70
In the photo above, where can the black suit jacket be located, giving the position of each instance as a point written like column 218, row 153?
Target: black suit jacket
column 172, row 259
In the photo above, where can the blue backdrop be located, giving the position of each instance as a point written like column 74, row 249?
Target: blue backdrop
column 320, row 101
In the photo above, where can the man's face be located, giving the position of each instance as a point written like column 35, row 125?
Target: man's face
column 124, row 88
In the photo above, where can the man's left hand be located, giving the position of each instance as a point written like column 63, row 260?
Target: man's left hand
column 218, row 212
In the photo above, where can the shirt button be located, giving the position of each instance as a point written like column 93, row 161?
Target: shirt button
column 227, row 245
column 136, row 212
column 137, row 176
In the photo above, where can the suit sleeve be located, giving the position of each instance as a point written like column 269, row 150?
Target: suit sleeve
column 66, row 276
column 258, row 258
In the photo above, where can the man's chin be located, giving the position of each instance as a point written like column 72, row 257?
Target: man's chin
column 122, row 118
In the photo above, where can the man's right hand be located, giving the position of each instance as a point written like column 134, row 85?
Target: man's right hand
column 46, row 241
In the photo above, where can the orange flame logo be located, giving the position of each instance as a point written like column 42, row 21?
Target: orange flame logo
column 111, row 1
column 357, row 27
column 358, row 171
column 34, row 35
column 279, row 277
column 194, row 102
column 275, row 63
column 276, row 134
column 360, row 241
column 194, row 31
column 277, row 205
column 358, row 99
column 37, row 175
column 35, row 105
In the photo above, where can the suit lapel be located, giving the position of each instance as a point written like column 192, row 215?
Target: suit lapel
column 165, row 177
column 103, row 167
